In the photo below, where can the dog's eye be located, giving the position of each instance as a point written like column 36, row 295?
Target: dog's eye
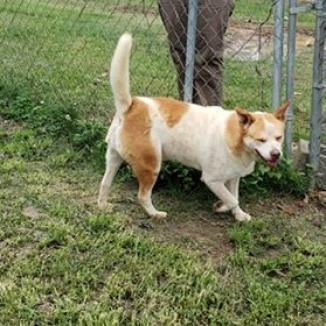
column 262, row 140
column 278, row 138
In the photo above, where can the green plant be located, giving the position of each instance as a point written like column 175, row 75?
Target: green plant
column 284, row 178
column 27, row 144
column 177, row 175
column 52, row 120
column 85, row 136
column 88, row 137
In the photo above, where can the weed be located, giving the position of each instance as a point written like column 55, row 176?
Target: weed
column 89, row 138
column 284, row 178
column 26, row 144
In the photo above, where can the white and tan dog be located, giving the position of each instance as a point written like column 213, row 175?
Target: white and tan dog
column 223, row 144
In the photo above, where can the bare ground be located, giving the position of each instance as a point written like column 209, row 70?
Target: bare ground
column 192, row 224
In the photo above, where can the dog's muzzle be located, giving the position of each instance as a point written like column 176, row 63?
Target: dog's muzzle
column 273, row 160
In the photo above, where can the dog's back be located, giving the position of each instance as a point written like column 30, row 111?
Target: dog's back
column 183, row 131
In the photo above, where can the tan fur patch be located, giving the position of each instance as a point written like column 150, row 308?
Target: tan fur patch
column 234, row 133
column 279, row 124
column 281, row 111
column 256, row 129
column 138, row 149
column 276, row 122
column 171, row 110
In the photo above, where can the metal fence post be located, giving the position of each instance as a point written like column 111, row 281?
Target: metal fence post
column 292, row 23
column 317, row 88
column 278, row 36
column 190, row 52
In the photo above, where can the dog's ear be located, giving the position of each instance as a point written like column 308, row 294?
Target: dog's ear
column 281, row 111
column 245, row 117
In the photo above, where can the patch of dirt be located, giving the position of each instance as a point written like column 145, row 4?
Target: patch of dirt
column 191, row 223
column 267, row 29
column 205, row 234
column 8, row 126
column 31, row 212
column 246, row 42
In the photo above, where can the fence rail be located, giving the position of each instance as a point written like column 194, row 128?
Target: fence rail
column 319, row 83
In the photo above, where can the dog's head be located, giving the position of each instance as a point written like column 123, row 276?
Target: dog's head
column 263, row 133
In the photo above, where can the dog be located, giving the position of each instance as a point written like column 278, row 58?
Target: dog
column 223, row 144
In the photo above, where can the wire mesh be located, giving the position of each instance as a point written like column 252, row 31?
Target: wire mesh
column 59, row 51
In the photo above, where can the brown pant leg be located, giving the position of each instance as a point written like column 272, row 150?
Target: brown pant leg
column 211, row 25
column 174, row 17
column 212, row 22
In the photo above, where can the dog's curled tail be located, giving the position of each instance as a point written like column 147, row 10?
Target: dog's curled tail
column 119, row 74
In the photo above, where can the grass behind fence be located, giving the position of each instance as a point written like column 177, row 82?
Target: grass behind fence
column 63, row 60
column 58, row 53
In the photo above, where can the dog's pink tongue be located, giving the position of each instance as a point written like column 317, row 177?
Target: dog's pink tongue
column 272, row 162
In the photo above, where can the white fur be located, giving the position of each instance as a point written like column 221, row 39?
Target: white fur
column 119, row 74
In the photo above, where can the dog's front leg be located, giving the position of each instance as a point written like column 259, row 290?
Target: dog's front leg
column 233, row 186
column 229, row 200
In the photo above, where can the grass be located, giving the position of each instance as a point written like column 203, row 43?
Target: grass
column 64, row 262
column 256, row 11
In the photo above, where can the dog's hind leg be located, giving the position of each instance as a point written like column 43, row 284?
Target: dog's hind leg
column 113, row 162
column 146, row 178
column 145, row 197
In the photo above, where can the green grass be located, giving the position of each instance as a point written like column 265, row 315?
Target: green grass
column 257, row 11
column 64, row 262
column 60, row 59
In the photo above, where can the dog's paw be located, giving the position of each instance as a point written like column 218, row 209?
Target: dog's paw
column 160, row 215
column 219, row 207
column 242, row 216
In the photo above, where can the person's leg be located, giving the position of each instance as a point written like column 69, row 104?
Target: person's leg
column 174, row 17
column 212, row 22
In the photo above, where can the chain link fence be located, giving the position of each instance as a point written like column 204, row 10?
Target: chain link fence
column 317, row 148
column 58, row 52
